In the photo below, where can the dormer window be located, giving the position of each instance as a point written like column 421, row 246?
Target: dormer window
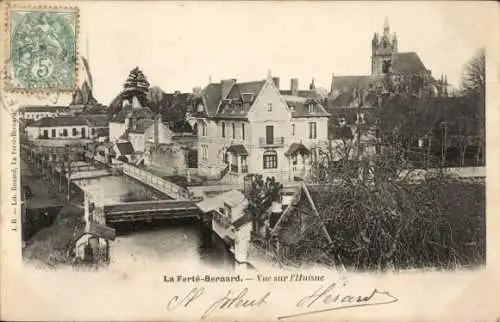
column 247, row 97
column 311, row 108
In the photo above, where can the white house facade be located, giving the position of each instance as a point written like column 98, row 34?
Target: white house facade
column 253, row 128
column 61, row 127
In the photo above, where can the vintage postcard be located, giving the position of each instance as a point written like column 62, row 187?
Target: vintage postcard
column 249, row 161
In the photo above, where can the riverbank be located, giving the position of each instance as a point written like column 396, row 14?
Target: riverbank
column 52, row 246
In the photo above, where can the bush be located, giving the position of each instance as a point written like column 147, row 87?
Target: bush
column 439, row 222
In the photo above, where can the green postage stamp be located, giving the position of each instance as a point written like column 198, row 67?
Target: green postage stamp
column 43, row 48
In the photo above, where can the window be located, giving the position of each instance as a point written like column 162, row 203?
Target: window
column 269, row 107
column 53, row 133
column 293, row 129
column 234, row 130
column 223, row 129
column 386, row 66
column 204, row 152
column 312, row 130
column 244, row 164
column 74, row 132
column 45, row 133
column 242, row 131
column 203, row 129
column 65, row 132
column 270, row 160
column 93, row 131
column 270, row 134
column 311, row 108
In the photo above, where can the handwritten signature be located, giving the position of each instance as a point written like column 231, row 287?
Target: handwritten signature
column 329, row 296
column 228, row 301
column 324, row 299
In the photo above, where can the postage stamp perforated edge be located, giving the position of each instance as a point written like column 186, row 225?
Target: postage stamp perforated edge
column 7, row 85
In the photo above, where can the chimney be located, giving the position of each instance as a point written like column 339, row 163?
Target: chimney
column 294, row 86
column 157, row 128
column 276, row 81
column 225, row 87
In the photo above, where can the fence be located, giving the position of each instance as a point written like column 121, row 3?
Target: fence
column 170, row 189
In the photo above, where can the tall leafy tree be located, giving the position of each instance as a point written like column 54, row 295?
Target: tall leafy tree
column 155, row 96
column 136, row 85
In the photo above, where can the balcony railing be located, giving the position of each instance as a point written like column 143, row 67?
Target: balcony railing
column 277, row 141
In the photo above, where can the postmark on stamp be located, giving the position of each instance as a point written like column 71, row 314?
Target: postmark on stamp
column 42, row 48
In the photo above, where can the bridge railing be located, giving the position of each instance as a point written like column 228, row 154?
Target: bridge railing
column 167, row 187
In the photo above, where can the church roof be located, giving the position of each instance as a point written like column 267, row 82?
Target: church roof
column 408, row 63
column 342, row 83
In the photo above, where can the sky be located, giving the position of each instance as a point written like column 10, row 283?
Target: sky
column 179, row 45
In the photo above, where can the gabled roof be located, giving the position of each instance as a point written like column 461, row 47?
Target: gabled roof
column 97, row 120
column 140, row 126
column 125, row 148
column 238, row 91
column 288, row 227
column 299, row 107
column 211, row 95
column 62, row 120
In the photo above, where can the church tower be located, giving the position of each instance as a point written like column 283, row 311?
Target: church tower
column 382, row 49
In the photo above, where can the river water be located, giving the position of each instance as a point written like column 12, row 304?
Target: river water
column 158, row 242
column 168, row 243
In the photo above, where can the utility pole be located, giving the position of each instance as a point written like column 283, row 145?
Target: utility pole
column 70, row 157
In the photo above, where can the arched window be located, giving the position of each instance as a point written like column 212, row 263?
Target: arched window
column 270, row 160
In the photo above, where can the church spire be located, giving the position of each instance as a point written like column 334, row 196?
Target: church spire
column 386, row 24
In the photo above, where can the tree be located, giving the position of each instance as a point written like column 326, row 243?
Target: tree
column 474, row 73
column 261, row 194
column 155, row 96
column 136, row 85
column 474, row 85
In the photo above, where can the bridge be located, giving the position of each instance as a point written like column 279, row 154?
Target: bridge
column 168, row 188
column 149, row 210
